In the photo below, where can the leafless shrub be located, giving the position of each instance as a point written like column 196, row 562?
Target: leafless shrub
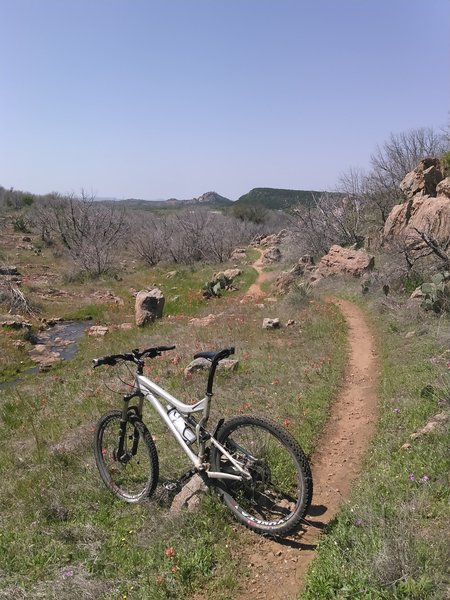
column 191, row 236
column 150, row 239
column 17, row 302
column 90, row 231
column 331, row 219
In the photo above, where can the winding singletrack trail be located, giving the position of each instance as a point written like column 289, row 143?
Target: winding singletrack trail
column 255, row 291
column 277, row 568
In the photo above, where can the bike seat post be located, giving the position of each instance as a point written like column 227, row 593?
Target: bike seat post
column 212, row 372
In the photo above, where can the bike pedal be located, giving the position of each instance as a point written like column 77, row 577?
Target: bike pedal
column 171, row 486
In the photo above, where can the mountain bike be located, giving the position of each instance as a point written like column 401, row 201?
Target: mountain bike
column 258, row 467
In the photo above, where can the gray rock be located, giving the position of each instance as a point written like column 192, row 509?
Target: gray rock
column 198, row 364
column 271, row 323
column 271, row 255
column 8, row 270
column 149, row 306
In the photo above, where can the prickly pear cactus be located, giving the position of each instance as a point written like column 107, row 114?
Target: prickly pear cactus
column 437, row 293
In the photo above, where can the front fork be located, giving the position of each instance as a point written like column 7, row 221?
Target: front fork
column 122, row 456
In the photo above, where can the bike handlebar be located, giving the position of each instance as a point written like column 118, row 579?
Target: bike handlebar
column 135, row 356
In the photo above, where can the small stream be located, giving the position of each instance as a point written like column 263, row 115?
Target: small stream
column 59, row 341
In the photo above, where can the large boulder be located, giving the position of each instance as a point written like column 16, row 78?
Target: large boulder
column 343, row 261
column 427, row 209
column 421, row 213
column 443, row 188
column 149, row 306
column 423, row 179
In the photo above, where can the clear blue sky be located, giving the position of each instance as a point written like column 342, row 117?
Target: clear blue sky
column 173, row 98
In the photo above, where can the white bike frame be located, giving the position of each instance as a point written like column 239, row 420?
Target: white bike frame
column 150, row 390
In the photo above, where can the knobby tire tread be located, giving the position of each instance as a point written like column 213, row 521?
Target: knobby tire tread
column 144, row 437
column 286, row 438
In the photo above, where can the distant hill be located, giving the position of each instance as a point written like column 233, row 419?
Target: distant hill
column 277, row 199
column 209, row 200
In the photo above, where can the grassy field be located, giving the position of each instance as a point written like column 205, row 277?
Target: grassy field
column 391, row 541
column 63, row 534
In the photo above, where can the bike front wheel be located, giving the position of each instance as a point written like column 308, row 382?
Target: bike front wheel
column 279, row 493
column 133, row 475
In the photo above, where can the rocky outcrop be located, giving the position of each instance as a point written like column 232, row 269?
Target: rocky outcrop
column 422, row 213
column 427, row 209
column 268, row 241
column 286, row 279
column 423, row 179
column 271, row 255
column 239, row 254
column 443, row 188
column 149, row 306
column 343, row 261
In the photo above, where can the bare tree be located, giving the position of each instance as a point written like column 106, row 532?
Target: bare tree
column 150, row 238
column 331, row 219
column 90, row 231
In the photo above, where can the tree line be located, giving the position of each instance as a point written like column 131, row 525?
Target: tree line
column 94, row 234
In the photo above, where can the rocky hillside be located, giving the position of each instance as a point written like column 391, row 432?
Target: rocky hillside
column 208, row 199
column 277, row 199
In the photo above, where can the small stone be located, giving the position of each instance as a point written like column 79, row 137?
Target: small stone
column 271, row 323
column 98, row 331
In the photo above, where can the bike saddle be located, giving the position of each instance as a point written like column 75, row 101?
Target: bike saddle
column 215, row 356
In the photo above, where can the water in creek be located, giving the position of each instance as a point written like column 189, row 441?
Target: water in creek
column 61, row 339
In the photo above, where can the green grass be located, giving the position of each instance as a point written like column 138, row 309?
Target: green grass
column 63, row 534
column 391, row 540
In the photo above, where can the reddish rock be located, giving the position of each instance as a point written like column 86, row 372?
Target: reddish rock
column 425, row 213
column 423, row 179
column 343, row 261
column 443, row 188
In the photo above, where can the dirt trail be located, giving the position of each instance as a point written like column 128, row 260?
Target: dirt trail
column 254, row 291
column 277, row 569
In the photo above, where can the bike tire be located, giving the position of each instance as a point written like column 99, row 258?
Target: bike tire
column 135, row 479
column 279, row 495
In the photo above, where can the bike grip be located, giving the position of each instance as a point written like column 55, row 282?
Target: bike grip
column 103, row 360
column 165, row 348
column 231, row 350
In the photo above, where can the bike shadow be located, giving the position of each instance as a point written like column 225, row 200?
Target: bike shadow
column 314, row 511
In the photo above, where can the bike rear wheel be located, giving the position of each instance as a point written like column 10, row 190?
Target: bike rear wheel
column 133, row 476
column 279, row 493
